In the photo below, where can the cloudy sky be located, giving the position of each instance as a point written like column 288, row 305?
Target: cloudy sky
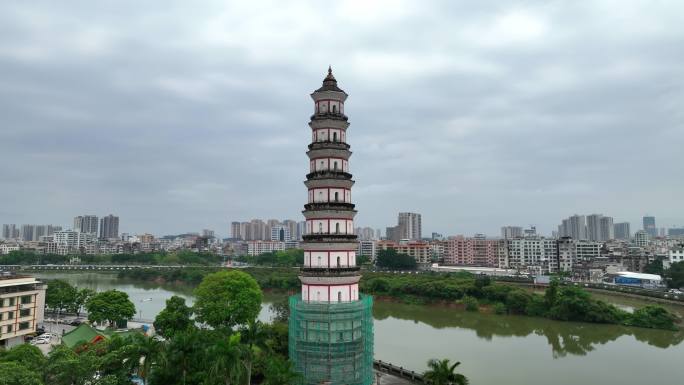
column 179, row 115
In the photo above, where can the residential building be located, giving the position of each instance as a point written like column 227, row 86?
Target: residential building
column 236, row 231
column 509, row 232
column 574, row 227
column 607, row 229
column 538, row 255
column 10, row 231
column 22, row 303
column 410, row 226
column 393, row 234
column 109, row 227
column 675, row 232
column 73, row 242
column 280, row 233
column 367, row 248
column 650, row 226
column 8, row 247
column 86, row 224
column 475, row 251
column 676, row 254
column 419, row 250
column 641, row 238
column 621, row 231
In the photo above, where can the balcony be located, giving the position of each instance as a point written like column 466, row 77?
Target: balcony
column 324, row 237
column 328, row 144
column 329, row 206
column 329, row 174
column 329, row 115
column 342, row 271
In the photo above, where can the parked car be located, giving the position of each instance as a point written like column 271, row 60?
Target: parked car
column 41, row 340
column 676, row 291
column 76, row 322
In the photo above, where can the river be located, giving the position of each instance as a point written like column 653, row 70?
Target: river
column 493, row 349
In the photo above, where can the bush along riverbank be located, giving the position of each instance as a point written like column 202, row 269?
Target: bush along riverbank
column 563, row 303
column 268, row 278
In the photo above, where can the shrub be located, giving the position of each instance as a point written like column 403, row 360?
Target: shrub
column 499, row 308
column 652, row 317
column 471, row 303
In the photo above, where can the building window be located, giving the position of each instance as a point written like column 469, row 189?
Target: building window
column 337, row 196
column 9, row 328
column 334, row 109
column 334, row 136
column 26, row 299
column 24, row 312
column 335, row 165
column 10, row 315
column 11, row 301
column 24, row 325
column 337, row 228
column 339, row 295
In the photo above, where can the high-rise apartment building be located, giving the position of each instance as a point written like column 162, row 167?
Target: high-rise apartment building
column 607, row 229
column 574, row 227
column 650, row 226
column 622, row 231
column 475, row 251
column 86, row 224
column 281, row 233
column 236, row 230
column 10, row 231
column 109, row 227
column 509, row 232
column 410, row 226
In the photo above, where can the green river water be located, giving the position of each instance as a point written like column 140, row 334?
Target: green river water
column 493, row 349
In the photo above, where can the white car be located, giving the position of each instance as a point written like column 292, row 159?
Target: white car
column 41, row 340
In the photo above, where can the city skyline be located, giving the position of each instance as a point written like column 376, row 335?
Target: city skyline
column 205, row 123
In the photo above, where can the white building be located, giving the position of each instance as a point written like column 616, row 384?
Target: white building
column 6, row 248
column 367, row 248
column 676, row 254
column 260, row 247
column 22, row 302
column 74, row 242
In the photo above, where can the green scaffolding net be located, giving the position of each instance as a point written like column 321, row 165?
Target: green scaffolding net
column 332, row 342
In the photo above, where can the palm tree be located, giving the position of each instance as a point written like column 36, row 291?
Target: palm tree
column 280, row 371
column 142, row 353
column 227, row 366
column 440, row 372
column 255, row 336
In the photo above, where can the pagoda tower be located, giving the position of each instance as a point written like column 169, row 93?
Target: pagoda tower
column 331, row 323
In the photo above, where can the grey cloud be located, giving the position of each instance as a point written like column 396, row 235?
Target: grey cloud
column 180, row 116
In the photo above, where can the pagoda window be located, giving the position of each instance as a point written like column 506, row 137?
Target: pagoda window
column 337, row 231
column 334, row 136
column 334, row 109
column 338, row 263
column 335, row 165
column 339, row 298
column 320, row 230
column 336, row 196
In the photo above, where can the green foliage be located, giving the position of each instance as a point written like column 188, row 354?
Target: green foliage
column 66, row 367
column 282, row 258
column 14, row 373
column 362, row 260
column 27, row 355
column 652, row 317
column 175, row 317
column 499, row 308
column 280, row 371
column 675, row 275
column 60, row 295
column 470, row 303
column 390, row 259
column 227, row 298
column 442, row 372
column 110, row 306
column 82, row 297
column 182, row 257
column 654, row 267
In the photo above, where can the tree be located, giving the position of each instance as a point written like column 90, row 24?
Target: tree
column 390, row 259
column 110, row 306
column 279, row 371
column 13, row 373
column 142, row 352
column 60, row 295
column 27, row 355
column 441, row 372
column 227, row 298
column 655, row 267
column 362, row 260
column 675, row 275
column 227, row 366
column 175, row 317
column 65, row 367
column 254, row 335
column 82, row 297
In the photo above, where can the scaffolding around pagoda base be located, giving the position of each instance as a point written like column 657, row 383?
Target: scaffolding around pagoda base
column 332, row 342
